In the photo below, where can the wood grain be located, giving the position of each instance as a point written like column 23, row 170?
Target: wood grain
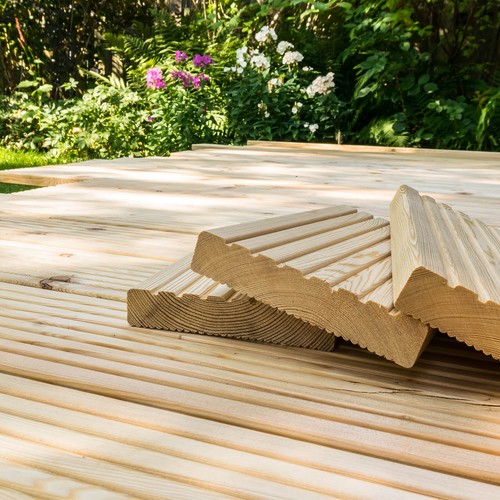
column 179, row 299
column 91, row 407
column 446, row 270
column 299, row 264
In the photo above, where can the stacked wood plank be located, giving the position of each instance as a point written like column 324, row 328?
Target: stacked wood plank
column 179, row 299
column 330, row 267
column 446, row 269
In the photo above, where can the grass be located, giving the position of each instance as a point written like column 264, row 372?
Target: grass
column 20, row 159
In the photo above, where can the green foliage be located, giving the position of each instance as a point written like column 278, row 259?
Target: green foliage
column 19, row 159
column 419, row 66
column 108, row 121
column 182, row 112
column 407, row 72
column 272, row 95
column 62, row 35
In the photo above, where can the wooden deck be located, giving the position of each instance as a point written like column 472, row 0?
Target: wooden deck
column 93, row 408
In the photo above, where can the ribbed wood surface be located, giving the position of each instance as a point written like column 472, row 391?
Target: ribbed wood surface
column 329, row 267
column 91, row 407
column 179, row 299
column 446, row 269
column 152, row 415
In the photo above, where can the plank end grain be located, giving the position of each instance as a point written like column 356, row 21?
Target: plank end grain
column 446, row 270
column 334, row 273
column 178, row 299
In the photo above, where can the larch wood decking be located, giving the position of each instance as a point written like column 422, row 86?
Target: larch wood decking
column 91, row 407
column 446, row 269
column 181, row 300
column 330, row 267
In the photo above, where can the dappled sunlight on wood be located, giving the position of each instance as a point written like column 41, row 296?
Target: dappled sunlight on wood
column 91, row 406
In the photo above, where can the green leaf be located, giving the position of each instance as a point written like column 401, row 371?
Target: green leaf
column 27, row 83
column 423, row 79
column 45, row 88
column 430, row 87
column 399, row 127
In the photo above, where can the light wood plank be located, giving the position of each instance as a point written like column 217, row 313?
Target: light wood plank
column 446, row 270
column 264, row 454
column 304, row 276
column 29, row 482
column 129, row 482
column 179, row 299
column 355, row 148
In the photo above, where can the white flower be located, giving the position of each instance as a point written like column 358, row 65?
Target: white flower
column 239, row 70
column 265, row 33
column 313, row 127
column 321, row 85
column 261, row 105
column 240, row 56
column 226, row 69
column 299, row 104
column 259, row 61
column 283, row 47
column 273, row 83
column 266, row 114
column 292, row 57
column 295, row 110
column 306, row 68
column 306, row 125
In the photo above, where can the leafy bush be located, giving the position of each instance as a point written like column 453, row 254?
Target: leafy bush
column 407, row 73
column 108, row 121
column 185, row 105
column 273, row 95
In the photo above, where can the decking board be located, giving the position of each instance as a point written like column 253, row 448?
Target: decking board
column 342, row 423
column 298, row 264
column 446, row 270
column 179, row 299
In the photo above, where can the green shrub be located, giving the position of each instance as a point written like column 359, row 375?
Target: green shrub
column 109, row 121
column 273, row 95
column 185, row 104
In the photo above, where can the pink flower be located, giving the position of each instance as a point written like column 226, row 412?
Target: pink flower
column 202, row 61
column 180, row 56
column 154, row 78
column 189, row 80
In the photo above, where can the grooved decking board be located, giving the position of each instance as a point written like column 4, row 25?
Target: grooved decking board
column 446, row 269
column 330, row 267
column 179, row 299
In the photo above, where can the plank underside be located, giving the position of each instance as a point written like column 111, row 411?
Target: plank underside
column 330, row 267
column 446, row 270
column 179, row 299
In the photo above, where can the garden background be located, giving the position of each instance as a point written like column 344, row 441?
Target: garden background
column 83, row 79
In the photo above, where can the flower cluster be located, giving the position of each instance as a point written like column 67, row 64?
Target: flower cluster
column 321, row 85
column 296, row 107
column 202, row 61
column 292, row 57
column 265, row 33
column 180, row 56
column 313, row 127
column 283, row 47
column 154, row 78
column 189, row 80
column 243, row 58
column 259, row 60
